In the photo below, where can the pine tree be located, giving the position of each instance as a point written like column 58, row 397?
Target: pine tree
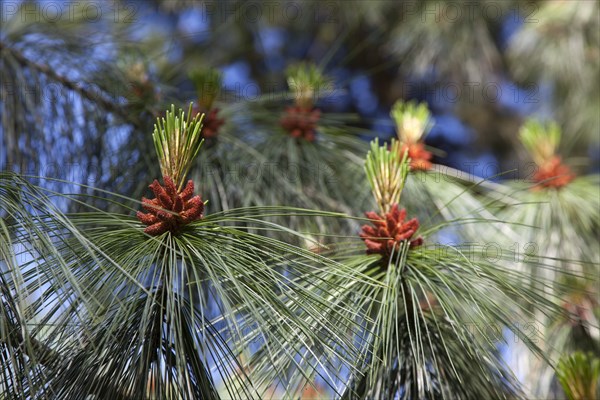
column 219, row 251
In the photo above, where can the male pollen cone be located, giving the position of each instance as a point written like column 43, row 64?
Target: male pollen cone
column 301, row 122
column 420, row 158
column 553, row 173
column 170, row 209
column 389, row 231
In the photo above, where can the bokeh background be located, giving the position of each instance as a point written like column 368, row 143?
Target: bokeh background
column 70, row 70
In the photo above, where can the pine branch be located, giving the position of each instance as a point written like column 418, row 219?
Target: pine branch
column 90, row 95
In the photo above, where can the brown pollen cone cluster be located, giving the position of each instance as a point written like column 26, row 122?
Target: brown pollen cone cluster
column 389, row 231
column 420, row 158
column 170, row 210
column 553, row 173
column 301, row 122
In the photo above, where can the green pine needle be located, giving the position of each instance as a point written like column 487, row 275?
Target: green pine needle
column 306, row 81
column 207, row 82
column 412, row 120
column 540, row 140
column 177, row 141
column 578, row 375
column 386, row 173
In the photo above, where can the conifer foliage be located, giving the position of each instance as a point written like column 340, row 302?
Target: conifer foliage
column 317, row 236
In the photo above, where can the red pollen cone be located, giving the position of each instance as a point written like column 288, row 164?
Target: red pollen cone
column 301, row 122
column 170, row 210
column 553, row 173
column 389, row 231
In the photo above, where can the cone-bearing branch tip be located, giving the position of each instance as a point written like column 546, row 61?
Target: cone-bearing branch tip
column 412, row 120
column 177, row 140
column 541, row 141
column 386, row 169
column 389, row 231
column 307, row 82
column 301, row 123
column 208, row 86
column 171, row 209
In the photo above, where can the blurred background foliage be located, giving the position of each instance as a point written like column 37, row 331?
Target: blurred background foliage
column 84, row 79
